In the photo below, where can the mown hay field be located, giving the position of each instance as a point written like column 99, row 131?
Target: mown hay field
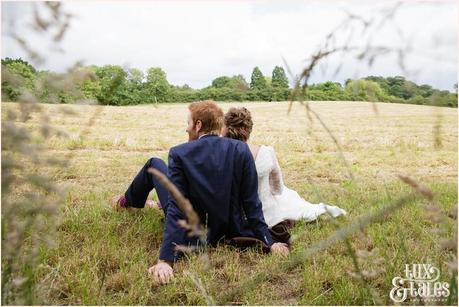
column 102, row 256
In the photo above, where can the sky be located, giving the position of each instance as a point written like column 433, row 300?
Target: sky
column 196, row 41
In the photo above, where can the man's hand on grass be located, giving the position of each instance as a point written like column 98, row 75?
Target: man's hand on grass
column 280, row 249
column 161, row 272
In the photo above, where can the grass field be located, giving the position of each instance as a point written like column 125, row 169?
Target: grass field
column 102, row 256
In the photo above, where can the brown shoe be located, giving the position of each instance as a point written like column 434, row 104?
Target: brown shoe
column 280, row 232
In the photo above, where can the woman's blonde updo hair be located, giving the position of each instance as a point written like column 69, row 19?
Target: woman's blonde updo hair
column 238, row 122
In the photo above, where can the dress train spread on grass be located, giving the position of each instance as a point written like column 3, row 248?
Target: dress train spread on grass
column 279, row 202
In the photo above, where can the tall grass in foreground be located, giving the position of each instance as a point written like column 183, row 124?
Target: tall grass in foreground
column 28, row 200
column 30, row 196
column 192, row 225
column 101, row 256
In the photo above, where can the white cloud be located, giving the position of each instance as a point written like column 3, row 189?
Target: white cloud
column 196, row 41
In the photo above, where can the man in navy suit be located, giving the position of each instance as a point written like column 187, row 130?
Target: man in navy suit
column 219, row 178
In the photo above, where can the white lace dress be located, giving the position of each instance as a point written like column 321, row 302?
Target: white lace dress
column 279, row 202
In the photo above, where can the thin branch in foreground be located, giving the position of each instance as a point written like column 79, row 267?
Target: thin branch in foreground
column 422, row 190
column 334, row 139
column 302, row 90
column 193, row 224
column 300, row 257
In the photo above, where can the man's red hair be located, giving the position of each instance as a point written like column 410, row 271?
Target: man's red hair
column 210, row 115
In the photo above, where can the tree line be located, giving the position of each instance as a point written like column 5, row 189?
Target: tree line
column 114, row 85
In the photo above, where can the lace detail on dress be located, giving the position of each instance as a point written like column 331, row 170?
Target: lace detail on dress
column 275, row 176
column 269, row 181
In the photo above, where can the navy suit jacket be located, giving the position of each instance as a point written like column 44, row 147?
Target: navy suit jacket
column 219, row 177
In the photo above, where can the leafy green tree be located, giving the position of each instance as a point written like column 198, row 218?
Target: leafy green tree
column 220, row 82
column 258, row 81
column 135, row 76
column 239, row 83
column 365, row 90
column 443, row 98
column 409, row 89
column 134, row 89
column 326, row 91
column 17, row 75
column 157, row 87
column 235, row 82
column 226, row 88
column 259, row 88
column 418, row 99
column 279, row 79
column 383, row 83
column 399, row 87
column 52, row 87
column 221, row 94
column 253, row 95
column 112, row 79
column 396, row 87
column 90, row 88
column 183, row 94
column 113, row 85
column 10, row 89
column 20, row 68
column 7, row 61
column 268, row 81
column 425, row 90
column 280, row 94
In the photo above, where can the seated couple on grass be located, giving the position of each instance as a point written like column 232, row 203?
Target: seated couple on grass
column 234, row 187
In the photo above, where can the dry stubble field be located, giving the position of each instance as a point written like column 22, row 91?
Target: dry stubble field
column 102, row 256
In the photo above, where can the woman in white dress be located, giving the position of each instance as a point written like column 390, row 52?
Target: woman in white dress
column 279, row 202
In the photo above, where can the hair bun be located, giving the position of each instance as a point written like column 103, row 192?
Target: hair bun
column 239, row 123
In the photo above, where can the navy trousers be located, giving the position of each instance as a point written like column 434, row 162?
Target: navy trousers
column 137, row 193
